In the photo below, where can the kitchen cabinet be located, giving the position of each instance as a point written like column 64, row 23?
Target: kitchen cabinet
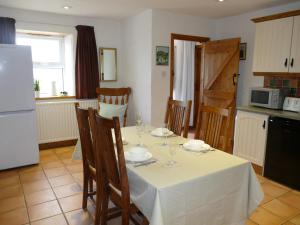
column 250, row 136
column 276, row 47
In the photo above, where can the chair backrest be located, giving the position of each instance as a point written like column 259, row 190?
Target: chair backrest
column 113, row 162
column 85, row 136
column 177, row 117
column 213, row 125
column 117, row 96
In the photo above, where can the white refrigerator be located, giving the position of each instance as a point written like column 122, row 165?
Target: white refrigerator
column 18, row 129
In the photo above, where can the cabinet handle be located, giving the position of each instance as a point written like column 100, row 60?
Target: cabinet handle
column 286, row 62
column 292, row 62
column 264, row 125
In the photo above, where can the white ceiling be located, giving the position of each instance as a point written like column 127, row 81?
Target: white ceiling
column 118, row 9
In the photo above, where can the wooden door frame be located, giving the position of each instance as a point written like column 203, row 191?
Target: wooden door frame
column 182, row 37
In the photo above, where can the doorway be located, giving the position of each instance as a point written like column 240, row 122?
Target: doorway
column 185, row 63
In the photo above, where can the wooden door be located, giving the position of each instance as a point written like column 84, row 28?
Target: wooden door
column 295, row 53
column 197, row 83
column 272, row 45
column 220, row 66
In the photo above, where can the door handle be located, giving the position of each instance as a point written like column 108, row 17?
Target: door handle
column 264, row 125
column 234, row 77
column 292, row 62
column 286, row 62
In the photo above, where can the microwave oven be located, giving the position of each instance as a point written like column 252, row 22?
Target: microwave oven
column 271, row 98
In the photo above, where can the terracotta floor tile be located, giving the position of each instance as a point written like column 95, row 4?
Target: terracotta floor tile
column 65, row 155
column 266, row 199
column 27, row 169
column 32, row 176
column 56, row 172
column 11, row 191
column 39, row 197
column 75, row 168
column 78, row 177
column 9, row 181
column 49, row 158
column 80, row 217
column 47, row 152
column 291, row 198
column 296, row 220
column 67, row 190
column 8, row 204
column 8, row 173
column 263, row 217
column 44, row 210
column 288, row 223
column 261, row 179
column 35, row 186
column 250, row 222
column 71, row 161
column 71, row 203
column 61, row 180
column 273, row 190
column 55, row 220
column 15, row 217
column 281, row 209
column 51, row 165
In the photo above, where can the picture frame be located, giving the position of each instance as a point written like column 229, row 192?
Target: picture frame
column 162, row 55
column 243, row 51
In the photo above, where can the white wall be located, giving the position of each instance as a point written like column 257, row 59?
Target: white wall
column 163, row 24
column 107, row 32
column 242, row 26
column 137, row 36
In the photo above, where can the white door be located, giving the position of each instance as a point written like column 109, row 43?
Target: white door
column 272, row 45
column 18, row 139
column 295, row 49
column 16, row 78
column 250, row 136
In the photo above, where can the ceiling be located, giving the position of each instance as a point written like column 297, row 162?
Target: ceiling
column 118, row 9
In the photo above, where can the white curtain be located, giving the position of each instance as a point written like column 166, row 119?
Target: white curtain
column 184, row 58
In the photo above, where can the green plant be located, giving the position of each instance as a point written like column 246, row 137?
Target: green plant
column 36, row 85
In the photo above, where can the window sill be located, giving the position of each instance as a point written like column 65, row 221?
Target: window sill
column 55, row 97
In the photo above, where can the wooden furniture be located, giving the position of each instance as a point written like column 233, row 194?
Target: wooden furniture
column 250, row 136
column 112, row 163
column 88, row 159
column 277, row 43
column 177, row 117
column 114, row 96
column 210, row 124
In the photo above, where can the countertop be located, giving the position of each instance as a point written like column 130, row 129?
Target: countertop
column 271, row 112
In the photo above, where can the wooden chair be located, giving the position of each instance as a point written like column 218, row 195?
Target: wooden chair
column 112, row 96
column 177, row 116
column 213, row 126
column 113, row 164
column 89, row 165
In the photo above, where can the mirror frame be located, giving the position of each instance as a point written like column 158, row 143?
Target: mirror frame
column 101, row 59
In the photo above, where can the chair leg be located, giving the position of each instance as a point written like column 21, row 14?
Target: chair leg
column 99, row 206
column 91, row 187
column 125, row 217
column 104, row 210
column 85, row 191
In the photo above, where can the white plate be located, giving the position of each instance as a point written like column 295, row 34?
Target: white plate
column 194, row 148
column 158, row 133
column 130, row 157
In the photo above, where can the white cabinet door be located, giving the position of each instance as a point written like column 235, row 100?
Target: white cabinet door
column 272, row 45
column 295, row 49
column 250, row 136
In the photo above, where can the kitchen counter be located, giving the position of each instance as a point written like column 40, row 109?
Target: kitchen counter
column 270, row 112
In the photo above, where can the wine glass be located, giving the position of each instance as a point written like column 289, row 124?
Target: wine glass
column 165, row 133
column 139, row 129
column 172, row 151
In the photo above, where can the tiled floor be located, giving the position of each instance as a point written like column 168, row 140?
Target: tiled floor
column 51, row 194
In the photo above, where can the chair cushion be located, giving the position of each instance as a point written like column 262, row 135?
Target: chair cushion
column 110, row 110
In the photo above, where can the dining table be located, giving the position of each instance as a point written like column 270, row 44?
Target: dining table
column 201, row 188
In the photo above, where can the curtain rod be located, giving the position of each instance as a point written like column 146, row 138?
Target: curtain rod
column 53, row 24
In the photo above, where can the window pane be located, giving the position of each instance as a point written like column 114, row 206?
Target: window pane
column 48, row 78
column 43, row 50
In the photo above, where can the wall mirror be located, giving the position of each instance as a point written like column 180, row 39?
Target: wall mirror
column 108, row 64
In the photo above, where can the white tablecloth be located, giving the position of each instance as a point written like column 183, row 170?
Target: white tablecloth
column 202, row 189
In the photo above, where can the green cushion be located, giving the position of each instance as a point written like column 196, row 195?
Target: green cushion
column 110, row 110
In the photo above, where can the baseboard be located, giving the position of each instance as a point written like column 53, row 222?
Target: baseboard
column 57, row 144
column 257, row 169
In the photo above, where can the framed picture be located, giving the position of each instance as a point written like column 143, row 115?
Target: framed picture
column 162, row 55
column 243, row 51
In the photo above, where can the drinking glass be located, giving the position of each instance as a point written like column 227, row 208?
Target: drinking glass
column 165, row 134
column 172, row 151
column 139, row 129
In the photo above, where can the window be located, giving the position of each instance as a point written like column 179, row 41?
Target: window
column 49, row 57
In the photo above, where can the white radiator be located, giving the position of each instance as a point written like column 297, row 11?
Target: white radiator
column 57, row 120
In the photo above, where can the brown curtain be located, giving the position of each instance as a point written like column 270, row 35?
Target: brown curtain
column 86, row 66
column 7, row 30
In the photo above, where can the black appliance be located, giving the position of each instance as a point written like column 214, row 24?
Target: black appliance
column 282, row 160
